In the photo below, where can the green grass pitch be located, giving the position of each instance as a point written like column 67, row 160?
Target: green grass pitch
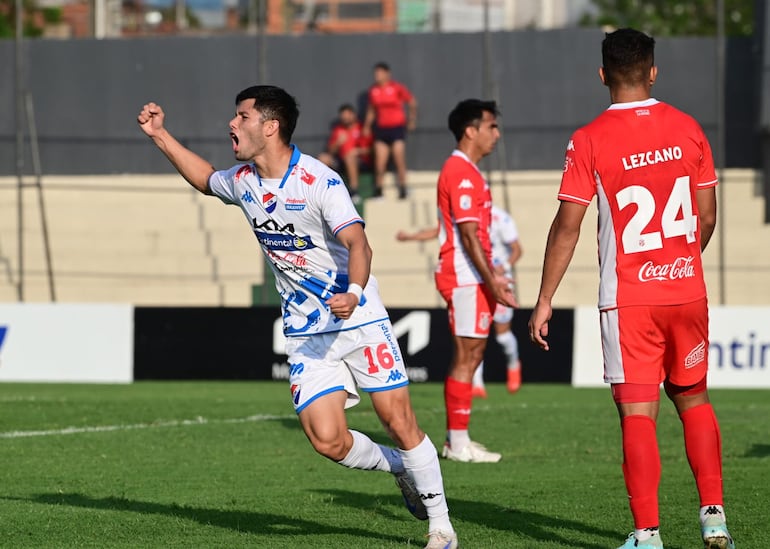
column 225, row 465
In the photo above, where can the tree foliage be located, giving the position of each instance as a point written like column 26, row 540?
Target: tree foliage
column 33, row 18
column 673, row 17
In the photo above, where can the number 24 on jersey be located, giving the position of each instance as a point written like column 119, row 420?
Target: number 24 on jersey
column 671, row 222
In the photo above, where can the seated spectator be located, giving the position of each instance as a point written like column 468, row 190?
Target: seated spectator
column 348, row 149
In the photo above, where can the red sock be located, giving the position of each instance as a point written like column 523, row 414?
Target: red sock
column 703, row 444
column 458, row 397
column 641, row 469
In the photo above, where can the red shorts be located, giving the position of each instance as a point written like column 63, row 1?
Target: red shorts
column 648, row 345
column 360, row 143
column 470, row 310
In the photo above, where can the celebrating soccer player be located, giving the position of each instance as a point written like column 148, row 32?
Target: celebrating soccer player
column 339, row 336
column 651, row 169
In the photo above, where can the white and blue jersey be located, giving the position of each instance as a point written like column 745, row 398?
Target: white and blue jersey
column 502, row 234
column 296, row 220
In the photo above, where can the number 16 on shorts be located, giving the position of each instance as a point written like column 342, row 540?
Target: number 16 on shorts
column 383, row 357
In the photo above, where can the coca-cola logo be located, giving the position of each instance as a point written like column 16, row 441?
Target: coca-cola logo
column 678, row 269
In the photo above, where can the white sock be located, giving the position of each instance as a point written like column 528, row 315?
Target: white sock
column 458, row 439
column 704, row 515
column 365, row 454
column 645, row 533
column 510, row 347
column 478, row 376
column 422, row 464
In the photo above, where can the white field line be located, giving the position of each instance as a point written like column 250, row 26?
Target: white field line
column 26, row 399
column 135, row 426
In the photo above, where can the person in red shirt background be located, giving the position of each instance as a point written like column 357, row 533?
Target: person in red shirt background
column 388, row 122
column 348, row 148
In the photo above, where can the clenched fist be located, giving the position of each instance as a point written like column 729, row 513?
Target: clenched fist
column 150, row 119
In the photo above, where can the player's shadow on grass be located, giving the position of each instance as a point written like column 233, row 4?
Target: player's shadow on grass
column 291, row 423
column 521, row 524
column 241, row 521
column 758, row 451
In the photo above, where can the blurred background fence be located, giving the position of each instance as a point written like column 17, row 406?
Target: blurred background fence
column 86, row 93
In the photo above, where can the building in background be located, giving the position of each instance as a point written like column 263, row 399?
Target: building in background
column 470, row 15
column 123, row 18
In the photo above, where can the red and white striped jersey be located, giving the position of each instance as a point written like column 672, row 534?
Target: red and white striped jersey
column 463, row 196
column 644, row 161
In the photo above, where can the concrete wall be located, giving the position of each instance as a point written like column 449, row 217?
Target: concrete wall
column 405, row 270
column 86, row 93
column 150, row 240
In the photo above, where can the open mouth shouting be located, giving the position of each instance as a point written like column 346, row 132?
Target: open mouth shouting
column 234, row 139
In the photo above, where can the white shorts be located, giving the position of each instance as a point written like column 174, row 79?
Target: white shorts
column 470, row 310
column 367, row 356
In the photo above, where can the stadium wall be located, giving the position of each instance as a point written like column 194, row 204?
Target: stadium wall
column 86, row 93
column 120, row 343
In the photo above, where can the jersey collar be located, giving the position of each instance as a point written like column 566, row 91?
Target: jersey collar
column 633, row 104
column 295, row 155
column 460, row 154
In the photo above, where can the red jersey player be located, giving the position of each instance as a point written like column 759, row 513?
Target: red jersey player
column 387, row 121
column 465, row 277
column 651, row 169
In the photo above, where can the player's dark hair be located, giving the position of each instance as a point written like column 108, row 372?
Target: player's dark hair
column 382, row 65
column 346, row 107
column 627, row 57
column 274, row 103
column 469, row 112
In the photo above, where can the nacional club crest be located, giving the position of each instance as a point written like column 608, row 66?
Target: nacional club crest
column 269, row 201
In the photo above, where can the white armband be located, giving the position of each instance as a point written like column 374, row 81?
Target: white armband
column 356, row 290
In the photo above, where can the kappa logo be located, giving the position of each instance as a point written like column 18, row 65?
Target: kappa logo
column 465, row 184
column 394, row 375
column 333, row 182
column 3, row 332
column 269, row 201
column 696, row 356
column 248, row 197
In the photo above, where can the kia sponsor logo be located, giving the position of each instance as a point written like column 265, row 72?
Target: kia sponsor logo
column 681, row 267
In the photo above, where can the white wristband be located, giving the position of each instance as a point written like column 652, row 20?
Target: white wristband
column 356, row 290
